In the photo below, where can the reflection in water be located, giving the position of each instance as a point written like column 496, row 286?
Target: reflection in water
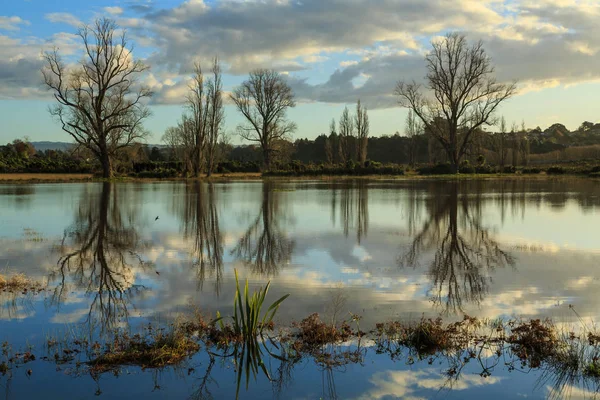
column 200, row 219
column 97, row 255
column 264, row 245
column 464, row 251
column 19, row 195
column 353, row 207
column 448, row 227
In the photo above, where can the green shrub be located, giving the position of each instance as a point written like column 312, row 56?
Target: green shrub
column 437, row 169
column 555, row 170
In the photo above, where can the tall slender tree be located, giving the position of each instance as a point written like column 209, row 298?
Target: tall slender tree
column 346, row 136
column 216, row 116
column 412, row 130
column 198, row 104
column 361, row 121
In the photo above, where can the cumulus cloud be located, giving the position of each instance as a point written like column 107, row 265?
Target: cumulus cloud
column 64, row 18
column 20, row 66
column 541, row 43
column 525, row 39
column 415, row 384
column 114, row 10
column 11, row 23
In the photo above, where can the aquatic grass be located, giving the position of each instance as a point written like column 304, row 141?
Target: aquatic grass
column 246, row 315
column 249, row 326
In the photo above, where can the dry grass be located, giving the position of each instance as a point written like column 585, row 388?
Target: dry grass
column 26, row 177
column 569, row 154
column 155, row 348
column 18, row 283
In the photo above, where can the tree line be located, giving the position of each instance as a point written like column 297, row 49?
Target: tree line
column 102, row 104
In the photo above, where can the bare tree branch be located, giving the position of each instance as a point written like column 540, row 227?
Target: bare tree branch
column 99, row 101
column 464, row 90
column 263, row 100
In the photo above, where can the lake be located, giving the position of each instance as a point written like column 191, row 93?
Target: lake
column 122, row 255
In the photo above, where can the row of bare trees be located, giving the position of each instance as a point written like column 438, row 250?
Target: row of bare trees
column 352, row 135
column 514, row 143
column 101, row 103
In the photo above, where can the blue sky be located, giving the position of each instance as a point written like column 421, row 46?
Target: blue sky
column 333, row 52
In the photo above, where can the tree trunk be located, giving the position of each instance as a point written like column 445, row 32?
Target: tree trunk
column 209, row 164
column 266, row 159
column 454, row 158
column 105, row 160
column 198, row 159
column 363, row 150
column 454, row 167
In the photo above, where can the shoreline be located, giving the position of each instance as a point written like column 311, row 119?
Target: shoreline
column 30, row 178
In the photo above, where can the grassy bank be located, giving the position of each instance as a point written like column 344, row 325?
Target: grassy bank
column 255, row 176
column 41, row 177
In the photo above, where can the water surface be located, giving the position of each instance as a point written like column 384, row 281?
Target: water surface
column 122, row 254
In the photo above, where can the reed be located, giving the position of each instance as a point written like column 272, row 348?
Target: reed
column 249, row 323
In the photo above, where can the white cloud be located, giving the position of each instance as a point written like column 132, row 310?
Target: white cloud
column 114, row 10
column 64, row 18
column 407, row 384
column 11, row 23
column 541, row 43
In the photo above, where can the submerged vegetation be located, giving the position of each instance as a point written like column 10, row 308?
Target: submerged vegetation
column 564, row 357
column 153, row 348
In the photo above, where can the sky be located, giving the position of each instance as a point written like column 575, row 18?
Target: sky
column 332, row 52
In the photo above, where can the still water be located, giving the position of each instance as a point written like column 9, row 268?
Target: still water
column 119, row 255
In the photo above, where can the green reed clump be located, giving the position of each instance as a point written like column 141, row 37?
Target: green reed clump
column 248, row 325
column 246, row 319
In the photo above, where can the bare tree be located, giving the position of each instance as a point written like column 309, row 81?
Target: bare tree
column 216, row 115
column 198, row 106
column 264, row 100
column 412, row 130
column 329, row 142
column 361, row 120
column 181, row 141
column 500, row 142
column 465, row 93
column 346, row 138
column 525, row 146
column 100, row 103
column 172, row 139
column 516, row 144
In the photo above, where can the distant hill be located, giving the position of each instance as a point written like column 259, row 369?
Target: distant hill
column 43, row 146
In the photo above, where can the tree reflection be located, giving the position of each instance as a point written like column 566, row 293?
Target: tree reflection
column 98, row 253
column 464, row 250
column 353, row 207
column 201, row 223
column 265, row 246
